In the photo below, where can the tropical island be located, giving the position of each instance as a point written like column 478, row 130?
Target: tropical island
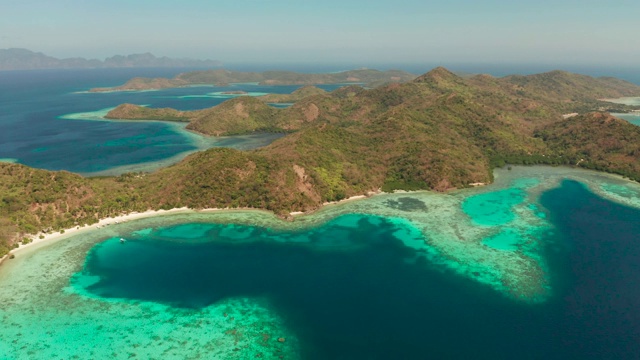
column 437, row 132
column 222, row 77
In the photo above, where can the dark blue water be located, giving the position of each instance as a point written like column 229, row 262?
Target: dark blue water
column 33, row 101
column 350, row 293
column 600, row 274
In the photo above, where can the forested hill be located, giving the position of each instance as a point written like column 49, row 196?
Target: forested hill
column 437, row 132
column 537, row 99
column 23, row 59
column 225, row 77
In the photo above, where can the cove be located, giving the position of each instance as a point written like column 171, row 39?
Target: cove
column 348, row 289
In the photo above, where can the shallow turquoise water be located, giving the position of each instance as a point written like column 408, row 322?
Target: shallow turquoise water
column 495, row 208
column 634, row 119
column 508, row 239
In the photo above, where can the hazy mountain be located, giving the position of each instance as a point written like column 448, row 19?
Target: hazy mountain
column 23, row 59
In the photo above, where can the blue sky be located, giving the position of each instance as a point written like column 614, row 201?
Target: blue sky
column 348, row 31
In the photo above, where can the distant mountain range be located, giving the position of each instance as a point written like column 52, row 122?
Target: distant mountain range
column 23, row 59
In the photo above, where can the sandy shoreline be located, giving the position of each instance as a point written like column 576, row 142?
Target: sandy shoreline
column 35, row 239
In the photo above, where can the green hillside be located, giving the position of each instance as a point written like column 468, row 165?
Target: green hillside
column 241, row 115
column 297, row 95
column 136, row 112
column 436, row 132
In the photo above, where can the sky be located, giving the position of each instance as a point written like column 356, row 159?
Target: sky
column 590, row 32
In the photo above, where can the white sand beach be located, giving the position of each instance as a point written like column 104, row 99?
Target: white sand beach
column 58, row 235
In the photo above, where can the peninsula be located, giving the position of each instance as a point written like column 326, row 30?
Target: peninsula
column 242, row 115
column 438, row 131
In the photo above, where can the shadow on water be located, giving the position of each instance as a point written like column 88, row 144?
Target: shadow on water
column 361, row 298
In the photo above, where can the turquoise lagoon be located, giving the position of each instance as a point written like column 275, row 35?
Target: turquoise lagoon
column 541, row 264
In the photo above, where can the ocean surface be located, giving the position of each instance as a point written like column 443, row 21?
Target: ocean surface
column 542, row 264
column 48, row 121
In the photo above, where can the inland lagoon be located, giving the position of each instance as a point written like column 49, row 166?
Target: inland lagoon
column 541, row 264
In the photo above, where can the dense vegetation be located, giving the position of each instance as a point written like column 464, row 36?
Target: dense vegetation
column 297, row 95
column 137, row 112
column 596, row 141
column 225, row 77
column 437, row 132
column 241, row 115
